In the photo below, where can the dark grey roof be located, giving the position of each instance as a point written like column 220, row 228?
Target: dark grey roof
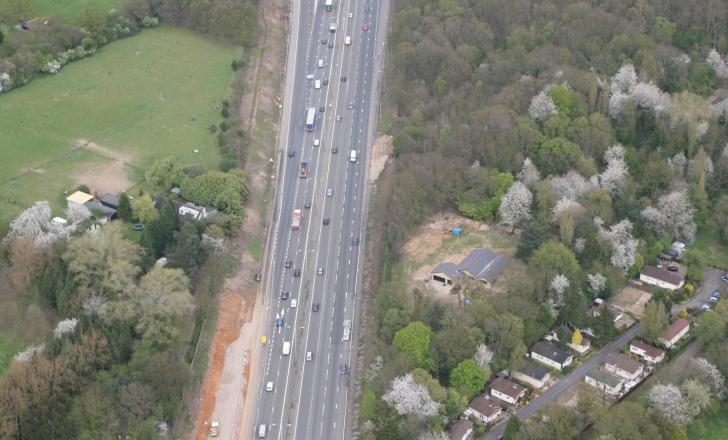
column 484, row 406
column 449, row 269
column 483, row 263
column 110, row 200
column 663, row 275
column 550, row 351
column 624, row 363
column 105, row 210
column 534, row 370
column 604, row 377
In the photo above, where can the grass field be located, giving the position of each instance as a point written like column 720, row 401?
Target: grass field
column 7, row 350
column 714, row 427
column 714, row 253
column 69, row 9
column 140, row 99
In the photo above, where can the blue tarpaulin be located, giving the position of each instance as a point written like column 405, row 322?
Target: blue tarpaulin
column 457, row 231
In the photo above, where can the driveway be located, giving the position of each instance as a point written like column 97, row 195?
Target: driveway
column 711, row 282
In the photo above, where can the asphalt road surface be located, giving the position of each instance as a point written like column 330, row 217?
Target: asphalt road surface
column 711, row 281
column 310, row 397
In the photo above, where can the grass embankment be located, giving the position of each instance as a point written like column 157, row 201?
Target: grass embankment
column 69, row 9
column 142, row 98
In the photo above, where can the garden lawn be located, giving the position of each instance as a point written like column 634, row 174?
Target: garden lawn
column 7, row 351
column 69, row 9
column 708, row 244
column 141, row 99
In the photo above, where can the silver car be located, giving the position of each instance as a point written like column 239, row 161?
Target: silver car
column 329, row 192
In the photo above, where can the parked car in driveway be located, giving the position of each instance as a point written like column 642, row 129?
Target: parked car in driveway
column 705, row 307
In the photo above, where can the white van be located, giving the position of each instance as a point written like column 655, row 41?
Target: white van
column 316, row 142
column 269, row 386
column 347, row 40
column 286, row 348
column 321, row 63
column 317, row 84
column 352, row 156
column 262, row 430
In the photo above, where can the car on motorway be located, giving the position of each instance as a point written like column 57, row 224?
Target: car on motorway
column 297, row 272
column 347, row 40
column 263, row 340
column 214, row 428
column 321, row 63
column 320, row 271
column 322, row 109
column 317, row 84
column 350, row 106
column 307, row 205
column 262, row 430
column 294, row 303
column 316, row 142
column 309, row 356
column 325, row 81
column 289, row 264
column 309, row 76
column 315, row 307
column 338, row 118
column 705, row 307
column 354, row 241
column 343, row 369
column 291, row 153
column 331, row 44
column 343, row 78
column 269, row 386
column 326, row 221
column 365, row 27
column 285, row 294
column 329, row 192
column 324, row 41
column 351, row 15
column 334, row 150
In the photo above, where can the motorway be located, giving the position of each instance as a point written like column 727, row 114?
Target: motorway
column 313, row 398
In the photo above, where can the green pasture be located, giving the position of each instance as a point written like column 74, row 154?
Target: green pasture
column 69, row 9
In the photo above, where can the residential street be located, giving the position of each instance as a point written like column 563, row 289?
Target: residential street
column 711, row 282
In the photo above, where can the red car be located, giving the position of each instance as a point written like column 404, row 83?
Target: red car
column 365, row 27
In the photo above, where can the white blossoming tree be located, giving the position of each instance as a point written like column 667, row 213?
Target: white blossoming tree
column 65, row 326
column 678, row 163
column 624, row 245
column 707, row 373
column 483, row 356
column 597, row 282
column 559, row 284
column 719, row 66
column 529, row 174
column 542, row 106
column 570, row 186
column 673, row 215
column 564, row 206
column 410, row 398
column 515, row 207
column 616, row 170
column 77, row 213
column 625, row 87
column 670, row 403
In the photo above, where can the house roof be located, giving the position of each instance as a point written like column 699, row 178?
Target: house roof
column 449, row 269
column 110, row 200
column 662, row 275
column 460, row 428
column 605, row 377
column 484, row 406
column 483, row 263
column 79, row 198
column 624, row 363
column 534, row 370
column 105, row 210
column 648, row 349
column 675, row 328
column 550, row 351
column 507, row 387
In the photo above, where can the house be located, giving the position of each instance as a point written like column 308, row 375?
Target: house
column 647, row 352
column 79, row 198
column 481, row 264
column 461, row 430
column 604, row 381
column 110, row 200
column 446, row 273
column 532, row 374
column 550, row 355
column 677, row 330
column 623, row 366
column 599, row 305
column 506, row 390
column 107, row 214
column 661, row 278
column 483, row 409
column 192, row 210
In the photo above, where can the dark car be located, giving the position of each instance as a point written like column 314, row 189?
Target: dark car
column 289, row 264
column 285, row 294
column 343, row 369
column 672, row 268
column 315, row 307
column 325, row 81
column 334, row 150
column 297, row 272
column 291, row 153
column 258, row 277
column 343, row 78
column 307, row 205
column 355, row 242
column 322, row 109
column 324, row 41
column 327, row 221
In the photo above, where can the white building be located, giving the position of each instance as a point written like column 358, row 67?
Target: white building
column 647, row 352
column 675, row 332
column 604, row 381
column 551, row 355
column 661, row 278
column 506, row 390
column 483, row 410
column 623, row 366
column 532, row 374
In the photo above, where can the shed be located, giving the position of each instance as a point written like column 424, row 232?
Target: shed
column 446, row 273
column 110, row 200
column 79, row 198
